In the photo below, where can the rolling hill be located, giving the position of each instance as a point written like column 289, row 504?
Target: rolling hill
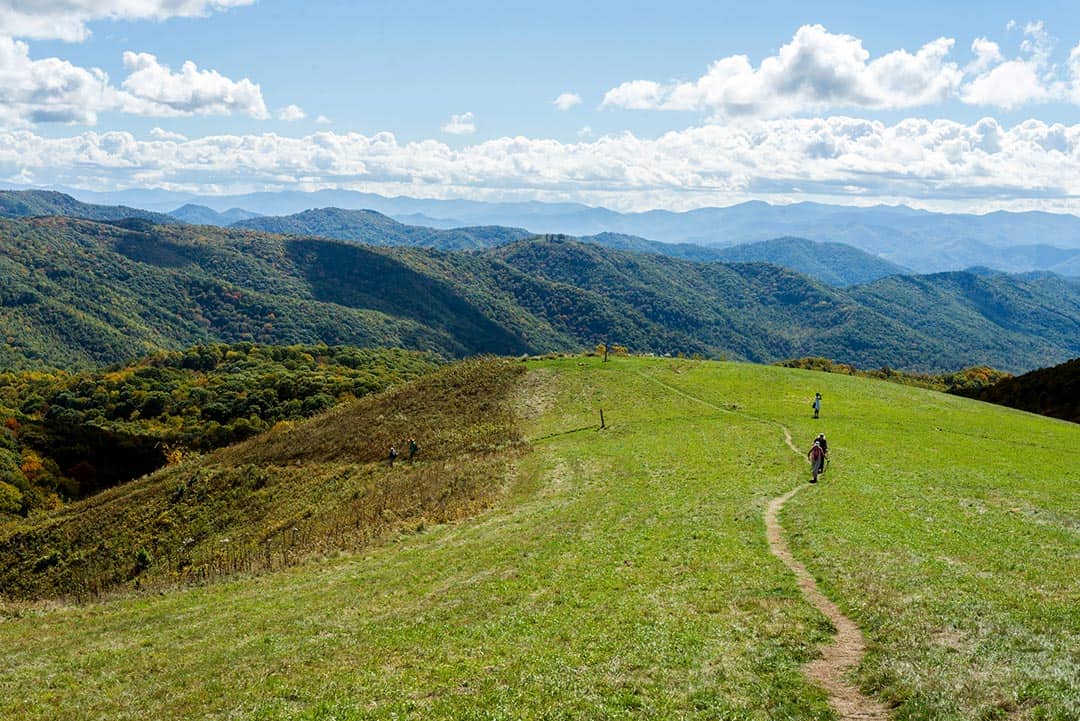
column 372, row 228
column 201, row 215
column 79, row 293
column 33, row 203
column 528, row 565
column 924, row 241
column 831, row 263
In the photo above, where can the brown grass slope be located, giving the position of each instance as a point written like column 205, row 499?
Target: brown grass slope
column 299, row 489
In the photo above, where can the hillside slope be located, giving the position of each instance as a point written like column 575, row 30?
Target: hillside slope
column 1052, row 391
column 833, row 263
column 79, row 293
column 624, row 574
column 921, row 322
column 284, row 491
column 924, row 241
column 372, row 228
column 34, row 203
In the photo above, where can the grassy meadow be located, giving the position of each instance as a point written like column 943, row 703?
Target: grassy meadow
column 625, row 574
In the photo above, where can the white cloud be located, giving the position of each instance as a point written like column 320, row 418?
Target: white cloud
column 585, row 132
column 291, row 113
column 323, row 120
column 191, row 91
column 1008, row 85
column 566, row 101
column 636, row 95
column 816, row 71
column 819, row 71
column 987, row 54
column 924, row 162
column 460, row 125
column 160, row 134
column 67, row 19
column 48, row 90
column 54, row 90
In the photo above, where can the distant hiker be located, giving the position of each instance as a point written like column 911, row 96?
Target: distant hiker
column 817, row 404
column 817, row 460
column 393, row 456
column 823, row 443
column 413, row 448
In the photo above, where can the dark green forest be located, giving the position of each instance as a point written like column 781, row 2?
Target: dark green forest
column 76, row 294
column 1052, row 391
column 68, row 435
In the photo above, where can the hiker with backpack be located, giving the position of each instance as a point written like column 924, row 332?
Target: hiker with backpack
column 817, row 460
column 816, row 405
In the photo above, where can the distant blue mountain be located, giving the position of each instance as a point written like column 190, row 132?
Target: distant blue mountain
column 916, row 239
column 202, row 215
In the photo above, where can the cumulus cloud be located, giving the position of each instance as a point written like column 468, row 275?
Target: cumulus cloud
column 460, row 125
column 160, row 134
column 55, row 90
column 566, row 101
column 48, row 90
column 291, row 113
column 1009, row 84
column 817, row 70
column 915, row 160
column 67, row 19
column 188, row 92
column 987, row 54
column 323, row 120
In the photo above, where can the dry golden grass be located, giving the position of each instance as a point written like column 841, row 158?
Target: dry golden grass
column 300, row 489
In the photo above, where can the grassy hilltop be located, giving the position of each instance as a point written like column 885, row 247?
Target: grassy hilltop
column 622, row 573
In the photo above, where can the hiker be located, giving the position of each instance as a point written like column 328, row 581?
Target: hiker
column 823, row 443
column 817, row 404
column 413, row 448
column 393, row 456
column 817, row 460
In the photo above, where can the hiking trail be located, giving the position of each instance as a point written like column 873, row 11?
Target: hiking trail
column 848, row 646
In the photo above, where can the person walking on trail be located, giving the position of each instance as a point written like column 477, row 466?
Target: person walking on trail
column 817, row 461
column 823, row 443
column 392, row 457
column 413, row 448
column 817, row 404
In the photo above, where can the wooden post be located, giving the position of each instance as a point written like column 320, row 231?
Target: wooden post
column 601, row 417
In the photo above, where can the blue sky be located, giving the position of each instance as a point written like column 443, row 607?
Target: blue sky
column 956, row 105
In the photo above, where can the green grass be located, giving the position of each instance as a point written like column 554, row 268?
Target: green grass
column 626, row 574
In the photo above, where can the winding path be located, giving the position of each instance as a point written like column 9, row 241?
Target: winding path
column 848, row 647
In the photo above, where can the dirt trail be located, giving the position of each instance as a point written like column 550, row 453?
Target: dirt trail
column 848, row 647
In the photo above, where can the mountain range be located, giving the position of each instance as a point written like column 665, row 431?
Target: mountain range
column 78, row 293
column 921, row 240
column 832, row 263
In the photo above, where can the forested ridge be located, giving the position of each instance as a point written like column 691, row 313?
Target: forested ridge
column 79, row 293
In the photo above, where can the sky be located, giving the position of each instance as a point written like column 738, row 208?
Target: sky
column 962, row 106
